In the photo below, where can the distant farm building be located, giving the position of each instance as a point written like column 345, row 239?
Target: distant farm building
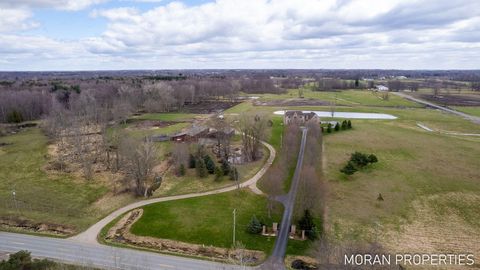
column 299, row 117
column 192, row 134
column 381, row 88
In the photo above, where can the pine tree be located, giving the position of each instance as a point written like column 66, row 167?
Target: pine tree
column 344, row 124
column 372, row 158
column 329, row 128
column 201, row 168
column 225, row 167
column 254, row 227
column 181, row 170
column 349, row 124
column 218, row 174
column 349, row 169
column 191, row 161
column 337, row 127
column 306, row 223
column 209, row 164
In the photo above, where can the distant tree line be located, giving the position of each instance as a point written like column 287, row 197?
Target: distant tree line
column 32, row 99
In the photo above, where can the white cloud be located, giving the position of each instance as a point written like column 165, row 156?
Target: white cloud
column 15, row 20
column 71, row 5
column 275, row 33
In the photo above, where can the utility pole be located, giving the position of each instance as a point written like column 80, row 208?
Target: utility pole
column 234, row 218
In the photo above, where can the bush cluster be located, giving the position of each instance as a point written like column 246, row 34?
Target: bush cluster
column 358, row 161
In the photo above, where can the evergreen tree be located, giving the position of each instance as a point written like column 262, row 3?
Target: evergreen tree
column 349, row 169
column 181, row 170
column 349, row 124
column 337, row 127
column 359, row 159
column 209, row 164
column 254, row 226
column 218, row 174
column 225, row 167
column 191, row 161
column 344, row 124
column 306, row 223
column 201, row 168
column 329, row 128
column 372, row 158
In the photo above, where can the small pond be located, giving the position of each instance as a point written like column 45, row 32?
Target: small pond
column 351, row 115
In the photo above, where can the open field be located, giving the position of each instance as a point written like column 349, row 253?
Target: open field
column 209, row 220
column 41, row 197
column 426, row 179
column 346, row 98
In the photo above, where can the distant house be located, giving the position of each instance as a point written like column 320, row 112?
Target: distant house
column 299, row 117
column 191, row 134
column 381, row 88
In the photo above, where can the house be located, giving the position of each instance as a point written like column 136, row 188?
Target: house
column 381, row 88
column 299, row 117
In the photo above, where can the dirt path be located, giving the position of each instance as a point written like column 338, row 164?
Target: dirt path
column 90, row 235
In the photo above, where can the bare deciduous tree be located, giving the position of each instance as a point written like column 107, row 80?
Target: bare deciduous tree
column 139, row 159
column 252, row 129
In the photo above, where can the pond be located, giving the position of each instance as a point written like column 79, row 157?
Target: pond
column 351, row 115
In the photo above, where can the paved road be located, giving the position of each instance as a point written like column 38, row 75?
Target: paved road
column 276, row 259
column 99, row 256
column 472, row 118
column 90, row 235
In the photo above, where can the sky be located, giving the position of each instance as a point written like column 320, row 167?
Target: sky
column 46, row 35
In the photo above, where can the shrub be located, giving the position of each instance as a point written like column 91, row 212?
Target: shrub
column 344, row 124
column 349, row 124
column 337, row 126
column 349, row 169
column 372, row 158
column 329, row 128
column 254, row 226
column 359, row 159
column 22, row 260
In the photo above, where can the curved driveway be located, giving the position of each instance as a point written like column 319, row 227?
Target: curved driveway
column 90, row 235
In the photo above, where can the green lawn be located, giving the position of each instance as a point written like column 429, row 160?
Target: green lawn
column 474, row 110
column 58, row 198
column 207, row 220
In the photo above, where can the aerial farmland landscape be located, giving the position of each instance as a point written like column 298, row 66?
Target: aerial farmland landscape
column 147, row 134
